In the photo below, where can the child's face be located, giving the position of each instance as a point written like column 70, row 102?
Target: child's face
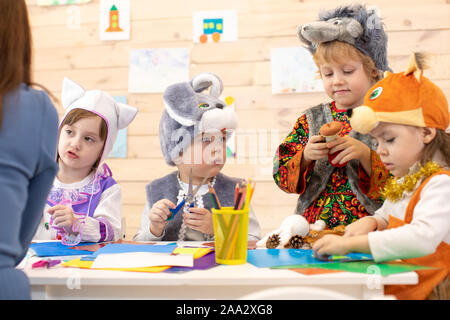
column 206, row 156
column 345, row 82
column 80, row 145
column 399, row 146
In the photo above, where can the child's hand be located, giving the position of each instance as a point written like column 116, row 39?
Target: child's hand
column 158, row 216
column 350, row 149
column 361, row 226
column 199, row 219
column 63, row 217
column 315, row 149
column 330, row 245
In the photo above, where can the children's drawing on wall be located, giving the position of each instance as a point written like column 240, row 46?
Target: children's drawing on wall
column 215, row 26
column 119, row 149
column 153, row 70
column 114, row 19
column 60, row 2
column 293, row 70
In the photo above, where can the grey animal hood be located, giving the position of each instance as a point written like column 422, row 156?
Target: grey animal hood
column 355, row 24
column 190, row 110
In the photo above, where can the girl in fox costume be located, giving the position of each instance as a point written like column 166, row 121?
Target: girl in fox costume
column 407, row 114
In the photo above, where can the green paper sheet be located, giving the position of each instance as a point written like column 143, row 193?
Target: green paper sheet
column 369, row 267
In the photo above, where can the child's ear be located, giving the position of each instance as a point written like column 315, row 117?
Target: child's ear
column 428, row 134
column 375, row 74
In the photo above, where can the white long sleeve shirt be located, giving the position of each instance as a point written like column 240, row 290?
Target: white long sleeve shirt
column 429, row 227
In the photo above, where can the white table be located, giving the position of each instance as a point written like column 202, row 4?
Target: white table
column 220, row 282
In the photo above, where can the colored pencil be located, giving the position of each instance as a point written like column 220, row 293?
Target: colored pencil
column 214, row 195
column 213, row 202
column 253, row 189
column 241, row 202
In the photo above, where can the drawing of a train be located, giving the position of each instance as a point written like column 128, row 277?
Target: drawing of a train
column 212, row 27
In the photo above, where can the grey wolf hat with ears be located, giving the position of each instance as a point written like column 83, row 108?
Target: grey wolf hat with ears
column 355, row 24
column 190, row 110
column 116, row 115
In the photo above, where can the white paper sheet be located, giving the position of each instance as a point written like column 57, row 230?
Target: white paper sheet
column 153, row 70
column 142, row 259
column 293, row 70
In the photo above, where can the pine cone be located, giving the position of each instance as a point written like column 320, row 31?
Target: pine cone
column 295, row 242
column 339, row 230
column 313, row 235
column 273, row 241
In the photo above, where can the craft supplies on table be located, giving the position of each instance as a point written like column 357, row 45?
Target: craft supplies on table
column 231, row 225
column 56, row 248
column 46, row 263
column 267, row 258
column 207, row 279
column 188, row 201
column 230, row 235
column 367, row 267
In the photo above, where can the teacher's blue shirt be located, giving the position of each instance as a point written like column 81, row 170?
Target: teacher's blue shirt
column 28, row 135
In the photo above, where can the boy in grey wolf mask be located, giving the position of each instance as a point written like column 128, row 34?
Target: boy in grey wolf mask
column 193, row 131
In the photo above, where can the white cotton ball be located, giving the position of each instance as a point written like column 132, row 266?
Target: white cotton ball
column 284, row 237
column 319, row 225
column 261, row 242
column 295, row 224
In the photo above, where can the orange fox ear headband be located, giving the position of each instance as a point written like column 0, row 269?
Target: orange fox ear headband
column 404, row 98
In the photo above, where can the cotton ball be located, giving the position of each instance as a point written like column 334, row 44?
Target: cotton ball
column 284, row 237
column 295, row 224
column 319, row 225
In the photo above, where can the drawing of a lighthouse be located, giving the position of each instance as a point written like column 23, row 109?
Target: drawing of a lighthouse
column 114, row 20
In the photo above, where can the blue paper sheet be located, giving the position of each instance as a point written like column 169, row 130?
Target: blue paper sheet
column 124, row 248
column 267, row 258
column 56, row 248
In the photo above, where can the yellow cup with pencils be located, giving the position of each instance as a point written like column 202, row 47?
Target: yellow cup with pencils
column 230, row 234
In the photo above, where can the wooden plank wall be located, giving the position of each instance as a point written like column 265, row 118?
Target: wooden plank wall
column 62, row 48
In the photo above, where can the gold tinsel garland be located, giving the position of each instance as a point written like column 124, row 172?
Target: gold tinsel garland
column 393, row 190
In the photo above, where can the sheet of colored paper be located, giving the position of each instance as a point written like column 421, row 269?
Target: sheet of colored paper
column 196, row 252
column 96, row 246
column 266, row 258
column 141, row 260
column 56, row 248
column 90, row 247
column 77, row 263
column 314, row 271
column 368, row 267
column 124, row 248
column 203, row 263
